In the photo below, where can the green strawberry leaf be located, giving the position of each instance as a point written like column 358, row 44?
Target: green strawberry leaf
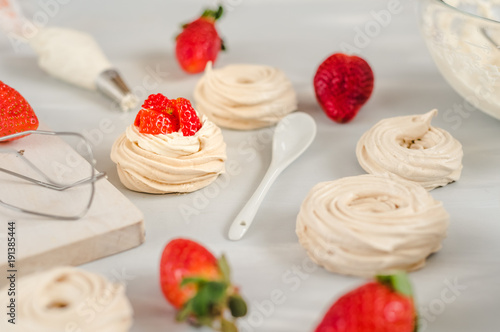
column 212, row 301
column 224, row 269
column 222, row 45
column 397, row 281
column 204, row 321
column 227, row 326
column 201, row 302
column 184, row 313
column 193, row 280
column 209, row 295
column 216, row 291
column 215, row 14
column 237, row 306
column 219, row 12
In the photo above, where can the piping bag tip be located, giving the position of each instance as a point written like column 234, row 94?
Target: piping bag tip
column 110, row 83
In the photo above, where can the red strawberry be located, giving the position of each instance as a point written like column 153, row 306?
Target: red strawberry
column 189, row 121
column 199, row 42
column 343, row 84
column 161, row 115
column 156, row 122
column 158, row 102
column 198, row 284
column 158, row 116
column 385, row 305
column 16, row 115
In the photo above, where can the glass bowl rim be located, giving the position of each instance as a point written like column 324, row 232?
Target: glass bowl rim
column 447, row 5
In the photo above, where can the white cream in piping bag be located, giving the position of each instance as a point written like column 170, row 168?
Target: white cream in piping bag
column 75, row 57
column 70, row 55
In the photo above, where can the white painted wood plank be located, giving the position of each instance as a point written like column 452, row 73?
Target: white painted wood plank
column 113, row 224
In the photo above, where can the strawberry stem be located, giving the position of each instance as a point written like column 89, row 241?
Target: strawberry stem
column 213, row 298
column 398, row 282
column 215, row 14
column 223, row 266
column 227, row 326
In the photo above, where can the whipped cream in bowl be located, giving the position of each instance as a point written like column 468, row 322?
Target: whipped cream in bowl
column 244, row 96
column 62, row 299
column 463, row 38
column 367, row 224
column 409, row 147
column 169, row 163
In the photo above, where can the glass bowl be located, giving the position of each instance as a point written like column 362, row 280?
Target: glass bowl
column 463, row 38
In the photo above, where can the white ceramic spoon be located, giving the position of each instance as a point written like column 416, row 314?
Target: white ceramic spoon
column 292, row 136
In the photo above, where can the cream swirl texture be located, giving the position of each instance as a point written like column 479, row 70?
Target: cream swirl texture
column 244, row 96
column 409, row 147
column 170, row 163
column 368, row 224
column 69, row 299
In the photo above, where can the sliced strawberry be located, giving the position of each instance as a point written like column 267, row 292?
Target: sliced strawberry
column 189, row 121
column 158, row 116
column 343, row 84
column 199, row 42
column 161, row 115
column 158, row 102
column 156, row 122
column 16, row 115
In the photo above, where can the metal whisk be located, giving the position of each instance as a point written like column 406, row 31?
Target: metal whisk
column 43, row 180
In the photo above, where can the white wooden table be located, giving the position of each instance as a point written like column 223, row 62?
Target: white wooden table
column 458, row 290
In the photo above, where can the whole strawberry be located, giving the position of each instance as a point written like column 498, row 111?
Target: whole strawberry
column 199, row 42
column 198, row 284
column 16, row 115
column 343, row 83
column 160, row 115
column 385, row 305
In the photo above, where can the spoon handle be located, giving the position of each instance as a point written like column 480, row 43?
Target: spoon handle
column 245, row 218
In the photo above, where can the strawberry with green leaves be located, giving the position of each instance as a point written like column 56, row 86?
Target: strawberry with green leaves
column 16, row 115
column 384, row 305
column 199, row 285
column 160, row 115
column 199, row 42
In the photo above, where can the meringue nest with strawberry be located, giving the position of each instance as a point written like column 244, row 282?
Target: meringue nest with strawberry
column 169, row 149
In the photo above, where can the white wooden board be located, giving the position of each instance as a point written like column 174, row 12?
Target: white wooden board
column 113, row 224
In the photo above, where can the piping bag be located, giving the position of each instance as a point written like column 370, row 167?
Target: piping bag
column 70, row 55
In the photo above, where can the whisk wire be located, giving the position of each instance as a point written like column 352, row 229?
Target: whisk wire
column 43, row 180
